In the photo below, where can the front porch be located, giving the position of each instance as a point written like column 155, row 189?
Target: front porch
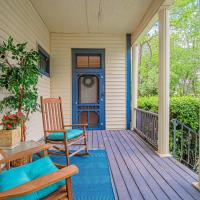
column 138, row 172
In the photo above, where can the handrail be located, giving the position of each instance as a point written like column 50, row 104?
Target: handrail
column 147, row 126
column 187, row 141
column 145, row 111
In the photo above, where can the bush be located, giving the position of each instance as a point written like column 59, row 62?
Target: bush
column 185, row 109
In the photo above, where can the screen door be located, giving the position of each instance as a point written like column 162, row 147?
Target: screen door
column 88, row 84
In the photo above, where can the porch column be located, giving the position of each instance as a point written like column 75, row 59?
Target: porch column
column 164, row 62
column 197, row 184
column 135, row 57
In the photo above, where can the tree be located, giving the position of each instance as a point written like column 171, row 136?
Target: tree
column 19, row 76
column 184, row 53
column 185, row 48
column 148, row 61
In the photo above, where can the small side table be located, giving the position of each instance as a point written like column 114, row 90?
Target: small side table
column 20, row 149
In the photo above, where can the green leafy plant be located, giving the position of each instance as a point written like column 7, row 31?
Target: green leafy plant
column 19, row 74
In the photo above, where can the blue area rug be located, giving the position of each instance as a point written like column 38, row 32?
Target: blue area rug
column 93, row 181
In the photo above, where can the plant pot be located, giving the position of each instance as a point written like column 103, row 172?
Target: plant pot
column 10, row 138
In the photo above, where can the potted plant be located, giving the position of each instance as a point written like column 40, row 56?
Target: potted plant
column 10, row 136
column 19, row 74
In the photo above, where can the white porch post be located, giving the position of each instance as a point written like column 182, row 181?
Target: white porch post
column 164, row 62
column 135, row 52
column 197, row 184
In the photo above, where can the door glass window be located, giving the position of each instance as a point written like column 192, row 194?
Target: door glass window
column 82, row 61
column 91, row 118
column 88, row 61
column 94, row 120
column 94, row 61
column 83, row 118
column 88, row 89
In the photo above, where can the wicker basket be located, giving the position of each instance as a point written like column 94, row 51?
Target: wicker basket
column 19, row 162
column 10, row 138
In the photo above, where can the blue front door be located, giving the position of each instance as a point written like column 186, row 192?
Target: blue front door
column 88, row 87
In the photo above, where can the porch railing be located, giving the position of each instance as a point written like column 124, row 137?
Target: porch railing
column 185, row 145
column 147, row 126
column 184, row 142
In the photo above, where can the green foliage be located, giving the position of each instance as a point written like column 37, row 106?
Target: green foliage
column 148, row 70
column 184, row 53
column 185, row 48
column 19, row 76
column 184, row 109
column 148, row 103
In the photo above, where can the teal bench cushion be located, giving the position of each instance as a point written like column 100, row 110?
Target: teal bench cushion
column 26, row 173
column 59, row 136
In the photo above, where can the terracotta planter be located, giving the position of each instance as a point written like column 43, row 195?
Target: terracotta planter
column 10, row 138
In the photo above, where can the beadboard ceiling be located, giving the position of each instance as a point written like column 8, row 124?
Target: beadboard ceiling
column 91, row 16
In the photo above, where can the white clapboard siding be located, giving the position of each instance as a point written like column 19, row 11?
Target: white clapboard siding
column 19, row 19
column 115, row 59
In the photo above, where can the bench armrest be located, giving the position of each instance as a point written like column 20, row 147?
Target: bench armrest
column 40, row 183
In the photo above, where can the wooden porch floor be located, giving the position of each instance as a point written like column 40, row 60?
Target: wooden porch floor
column 138, row 173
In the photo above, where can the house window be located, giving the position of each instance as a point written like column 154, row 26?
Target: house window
column 44, row 61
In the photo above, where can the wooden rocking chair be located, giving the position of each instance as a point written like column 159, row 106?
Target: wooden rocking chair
column 39, row 179
column 55, row 132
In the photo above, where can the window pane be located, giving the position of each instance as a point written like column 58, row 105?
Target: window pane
column 82, row 61
column 44, row 61
column 88, row 61
column 94, row 61
column 88, row 89
column 83, row 118
column 94, row 120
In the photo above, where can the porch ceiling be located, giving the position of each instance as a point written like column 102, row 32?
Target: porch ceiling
column 92, row 16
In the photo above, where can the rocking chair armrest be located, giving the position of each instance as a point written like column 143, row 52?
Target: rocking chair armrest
column 40, row 183
column 81, row 125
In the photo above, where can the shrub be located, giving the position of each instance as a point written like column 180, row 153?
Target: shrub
column 185, row 109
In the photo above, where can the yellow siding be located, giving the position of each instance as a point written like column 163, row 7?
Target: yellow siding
column 19, row 19
column 115, row 59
